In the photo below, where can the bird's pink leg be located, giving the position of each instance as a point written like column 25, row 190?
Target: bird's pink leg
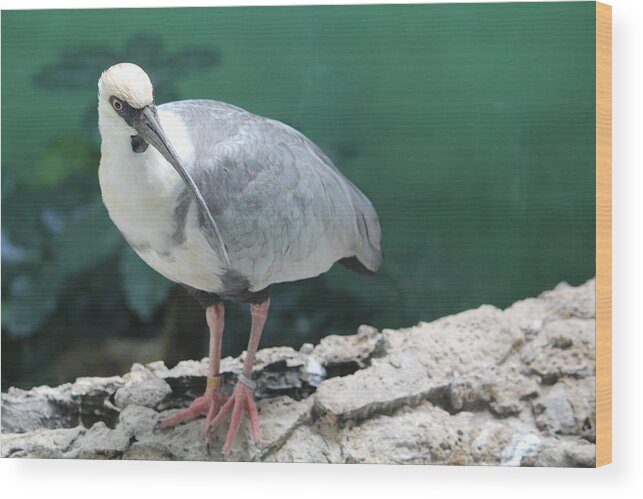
column 242, row 399
column 211, row 401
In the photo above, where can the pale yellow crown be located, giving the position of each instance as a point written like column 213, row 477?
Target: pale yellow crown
column 127, row 82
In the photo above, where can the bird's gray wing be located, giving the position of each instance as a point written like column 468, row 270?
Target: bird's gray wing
column 284, row 211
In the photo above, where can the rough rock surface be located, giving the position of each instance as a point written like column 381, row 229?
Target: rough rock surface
column 486, row 386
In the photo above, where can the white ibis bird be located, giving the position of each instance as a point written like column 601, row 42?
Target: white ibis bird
column 226, row 203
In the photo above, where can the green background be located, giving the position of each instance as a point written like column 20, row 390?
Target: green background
column 470, row 127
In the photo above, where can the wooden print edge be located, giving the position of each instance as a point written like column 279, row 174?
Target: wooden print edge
column 603, row 234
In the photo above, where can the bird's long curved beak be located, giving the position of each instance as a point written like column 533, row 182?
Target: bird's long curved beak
column 147, row 123
column 149, row 128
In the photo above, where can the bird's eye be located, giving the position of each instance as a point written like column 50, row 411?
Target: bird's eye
column 118, row 105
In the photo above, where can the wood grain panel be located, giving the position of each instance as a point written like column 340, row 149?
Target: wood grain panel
column 603, row 234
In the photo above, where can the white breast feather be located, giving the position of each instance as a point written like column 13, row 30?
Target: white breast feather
column 141, row 191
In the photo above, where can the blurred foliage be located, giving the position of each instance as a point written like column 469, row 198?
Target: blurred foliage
column 74, row 233
column 58, row 233
column 79, row 67
column 62, row 158
column 471, row 128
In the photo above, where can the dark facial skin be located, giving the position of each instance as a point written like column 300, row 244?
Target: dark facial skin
column 130, row 115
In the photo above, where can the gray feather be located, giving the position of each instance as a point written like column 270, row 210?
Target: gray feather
column 284, row 211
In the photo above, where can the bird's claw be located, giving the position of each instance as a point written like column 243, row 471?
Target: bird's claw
column 241, row 401
column 157, row 427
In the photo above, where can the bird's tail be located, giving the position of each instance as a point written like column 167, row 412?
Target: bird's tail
column 369, row 250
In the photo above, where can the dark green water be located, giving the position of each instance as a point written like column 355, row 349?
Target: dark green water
column 470, row 127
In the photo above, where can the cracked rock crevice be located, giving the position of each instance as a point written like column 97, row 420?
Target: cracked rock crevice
column 486, row 386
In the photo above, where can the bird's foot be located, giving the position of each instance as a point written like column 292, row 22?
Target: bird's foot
column 239, row 402
column 206, row 405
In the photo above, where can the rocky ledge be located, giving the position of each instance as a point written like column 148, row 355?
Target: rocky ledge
column 486, row 386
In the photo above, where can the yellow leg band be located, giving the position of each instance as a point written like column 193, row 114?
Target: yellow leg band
column 214, row 382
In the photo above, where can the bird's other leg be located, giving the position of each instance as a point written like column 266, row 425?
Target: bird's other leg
column 212, row 400
column 242, row 399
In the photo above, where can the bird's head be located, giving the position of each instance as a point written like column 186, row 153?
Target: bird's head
column 127, row 112
column 127, row 82
column 125, row 92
